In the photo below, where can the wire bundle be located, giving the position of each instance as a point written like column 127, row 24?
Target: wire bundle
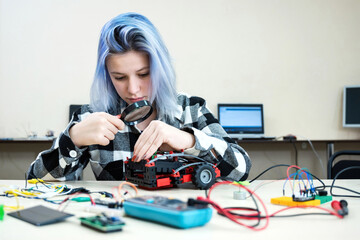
column 232, row 213
column 305, row 188
column 43, row 191
column 227, row 212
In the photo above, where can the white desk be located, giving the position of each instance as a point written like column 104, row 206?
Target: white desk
column 312, row 227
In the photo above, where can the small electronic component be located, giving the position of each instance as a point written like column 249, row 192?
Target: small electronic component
column 239, row 195
column 322, row 192
column 173, row 212
column 103, row 223
column 109, row 204
column 303, row 198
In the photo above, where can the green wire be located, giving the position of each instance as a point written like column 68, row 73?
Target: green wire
column 81, row 199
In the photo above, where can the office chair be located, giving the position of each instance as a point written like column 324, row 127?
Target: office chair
column 72, row 109
column 334, row 169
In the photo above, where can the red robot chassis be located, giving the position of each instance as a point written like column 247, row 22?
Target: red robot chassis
column 165, row 170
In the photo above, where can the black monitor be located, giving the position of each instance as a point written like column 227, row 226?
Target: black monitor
column 351, row 106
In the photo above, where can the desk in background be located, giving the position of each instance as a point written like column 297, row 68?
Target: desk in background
column 266, row 153
column 16, row 155
column 313, row 227
column 329, row 144
column 27, row 140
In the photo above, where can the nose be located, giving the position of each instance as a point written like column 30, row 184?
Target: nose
column 134, row 85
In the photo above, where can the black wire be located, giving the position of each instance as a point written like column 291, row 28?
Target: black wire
column 262, row 217
column 347, row 189
column 258, row 216
column 256, row 205
column 256, row 209
column 343, row 188
column 285, row 165
column 279, row 165
column 25, row 180
column 302, row 214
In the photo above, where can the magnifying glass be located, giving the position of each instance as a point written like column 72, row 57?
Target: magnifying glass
column 136, row 112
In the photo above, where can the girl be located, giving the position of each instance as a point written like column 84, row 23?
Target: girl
column 134, row 64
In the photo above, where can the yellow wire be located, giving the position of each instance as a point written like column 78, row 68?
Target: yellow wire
column 17, row 207
column 17, row 192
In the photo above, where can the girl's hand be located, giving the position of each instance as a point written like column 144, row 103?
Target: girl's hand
column 161, row 135
column 98, row 128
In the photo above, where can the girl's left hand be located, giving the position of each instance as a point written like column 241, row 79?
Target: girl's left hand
column 159, row 134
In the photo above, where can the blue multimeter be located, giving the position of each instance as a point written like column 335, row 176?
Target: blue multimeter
column 168, row 211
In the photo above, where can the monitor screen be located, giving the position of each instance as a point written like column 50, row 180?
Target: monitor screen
column 351, row 106
column 241, row 118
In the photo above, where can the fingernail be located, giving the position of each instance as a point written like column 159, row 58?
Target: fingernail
column 118, row 116
column 133, row 158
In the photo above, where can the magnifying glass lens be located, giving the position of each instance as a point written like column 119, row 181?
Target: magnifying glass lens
column 136, row 112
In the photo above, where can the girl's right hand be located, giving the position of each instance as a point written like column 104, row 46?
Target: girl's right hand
column 98, row 128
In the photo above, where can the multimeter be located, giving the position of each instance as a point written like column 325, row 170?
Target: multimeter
column 169, row 211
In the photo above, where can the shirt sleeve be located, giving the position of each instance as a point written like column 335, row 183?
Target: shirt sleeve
column 63, row 161
column 213, row 144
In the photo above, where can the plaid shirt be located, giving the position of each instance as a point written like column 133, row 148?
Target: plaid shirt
column 64, row 161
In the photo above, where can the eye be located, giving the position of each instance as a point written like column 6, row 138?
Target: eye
column 119, row 78
column 144, row 74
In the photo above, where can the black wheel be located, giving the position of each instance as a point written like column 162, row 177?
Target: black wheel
column 204, row 176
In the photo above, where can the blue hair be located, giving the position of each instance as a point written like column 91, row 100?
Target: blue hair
column 134, row 32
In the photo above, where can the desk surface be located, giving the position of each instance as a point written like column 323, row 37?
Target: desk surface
column 313, row 226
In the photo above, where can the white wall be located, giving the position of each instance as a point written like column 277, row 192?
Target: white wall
column 293, row 56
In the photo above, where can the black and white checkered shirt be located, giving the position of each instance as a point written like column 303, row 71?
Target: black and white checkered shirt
column 64, row 161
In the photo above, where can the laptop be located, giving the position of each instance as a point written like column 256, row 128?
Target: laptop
column 242, row 121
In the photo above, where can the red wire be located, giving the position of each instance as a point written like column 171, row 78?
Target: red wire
column 234, row 217
column 247, row 217
column 231, row 216
column 251, row 216
column 325, row 209
column 288, row 175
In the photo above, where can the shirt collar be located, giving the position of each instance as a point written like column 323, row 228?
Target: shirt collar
column 179, row 114
column 179, row 117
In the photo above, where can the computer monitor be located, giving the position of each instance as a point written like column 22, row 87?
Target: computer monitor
column 242, row 120
column 351, row 106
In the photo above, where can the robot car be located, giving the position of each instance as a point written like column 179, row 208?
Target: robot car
column 165, row 170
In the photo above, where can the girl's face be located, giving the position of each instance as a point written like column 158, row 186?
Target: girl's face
column 130, row 74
